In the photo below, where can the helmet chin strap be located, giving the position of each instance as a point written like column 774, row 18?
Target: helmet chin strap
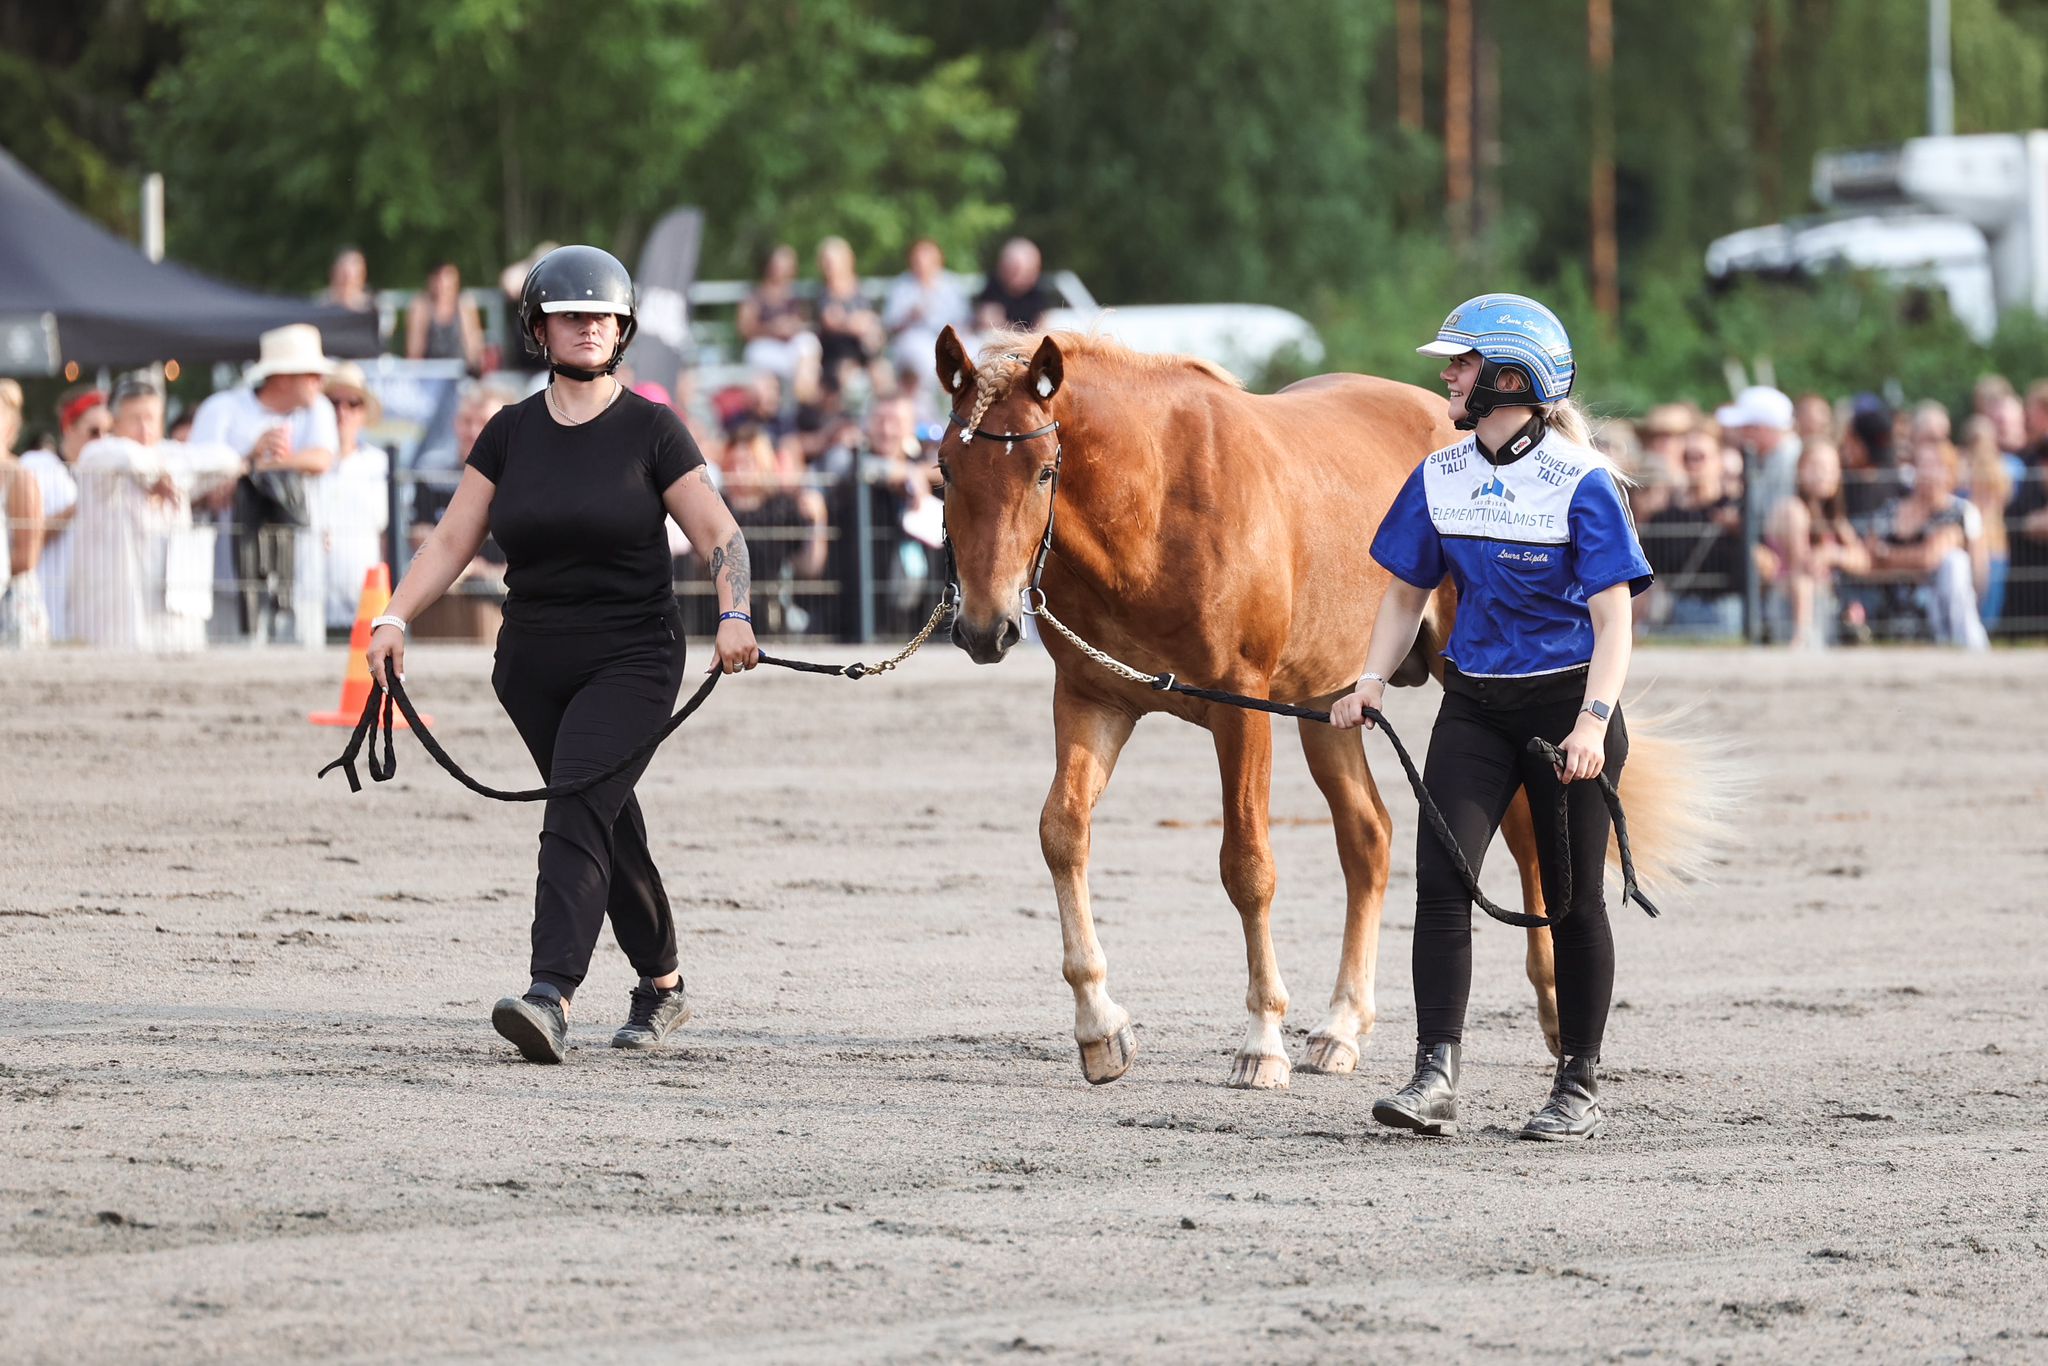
column 577, row 372
column 1486, row 394
column 567, row 371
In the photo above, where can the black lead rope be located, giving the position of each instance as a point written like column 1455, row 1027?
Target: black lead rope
column 376, row 718
column 1435, row 816
column 376, row 721
column 804, row 666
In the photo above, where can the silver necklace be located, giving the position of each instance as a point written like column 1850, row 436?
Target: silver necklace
column 555, row 405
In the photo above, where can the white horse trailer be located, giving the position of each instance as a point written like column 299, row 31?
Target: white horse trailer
column 1968, row 215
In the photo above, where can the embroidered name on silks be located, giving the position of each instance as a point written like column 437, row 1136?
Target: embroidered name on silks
column 1514, row 556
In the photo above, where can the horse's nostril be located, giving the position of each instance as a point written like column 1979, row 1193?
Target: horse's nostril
column 1012, row 633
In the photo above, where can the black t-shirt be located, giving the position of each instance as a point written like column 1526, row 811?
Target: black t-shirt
column 578, row 511
column 1693, row 550
column 1023, row 310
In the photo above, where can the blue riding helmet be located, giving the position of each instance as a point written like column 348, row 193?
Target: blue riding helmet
column 1507, row 330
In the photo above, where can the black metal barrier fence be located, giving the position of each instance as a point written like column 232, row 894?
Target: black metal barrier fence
column 156, row 566
column 1727, row 572
column 833, row 558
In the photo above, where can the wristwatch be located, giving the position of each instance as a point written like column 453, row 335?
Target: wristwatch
column 1601, row 711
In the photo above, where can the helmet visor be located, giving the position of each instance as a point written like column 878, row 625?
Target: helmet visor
column 584, row 306
column 1445, row 349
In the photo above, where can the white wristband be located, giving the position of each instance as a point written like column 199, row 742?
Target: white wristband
column 399, row 622
column 1372, row 678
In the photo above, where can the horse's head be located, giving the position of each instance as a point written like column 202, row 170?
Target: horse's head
column 998, row 491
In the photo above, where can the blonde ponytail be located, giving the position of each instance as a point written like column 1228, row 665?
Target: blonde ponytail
column 1568, row 420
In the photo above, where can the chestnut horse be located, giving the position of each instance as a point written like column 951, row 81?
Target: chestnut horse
column 1224, row 537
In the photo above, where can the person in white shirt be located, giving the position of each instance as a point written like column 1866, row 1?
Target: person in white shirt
column 354, row 502
column 283, row 428
column 921, row 304
column 144, row 579
column 23, row 622
column 82, row 418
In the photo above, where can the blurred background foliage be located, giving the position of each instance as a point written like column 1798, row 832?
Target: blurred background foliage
column 1177, row 151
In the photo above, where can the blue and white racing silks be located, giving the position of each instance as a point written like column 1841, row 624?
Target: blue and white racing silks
column 1527, row 543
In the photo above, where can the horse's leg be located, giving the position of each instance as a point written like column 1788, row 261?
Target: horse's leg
column 1364, row 837
column 1087, row 736
column 1244, row 752
column 1519, row 829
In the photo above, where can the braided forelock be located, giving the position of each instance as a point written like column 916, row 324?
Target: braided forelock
column 995, row 378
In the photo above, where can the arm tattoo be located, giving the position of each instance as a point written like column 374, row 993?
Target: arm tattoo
column 731, row 559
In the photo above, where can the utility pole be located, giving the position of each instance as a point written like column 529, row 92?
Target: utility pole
column 1941, row 84
column 1408, row 62
column 153, row 216
column 1762, row 97
column 1486, row 147
column 1458, row 117
column 1606, row 254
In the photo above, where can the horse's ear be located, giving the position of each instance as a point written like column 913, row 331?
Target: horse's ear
column 1047, row 370
column 956, row 372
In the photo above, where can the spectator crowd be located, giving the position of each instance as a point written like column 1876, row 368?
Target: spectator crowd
column 1810, row 522
column 1817, row 522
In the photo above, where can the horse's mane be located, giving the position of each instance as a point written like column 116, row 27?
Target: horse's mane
column 1004, row 360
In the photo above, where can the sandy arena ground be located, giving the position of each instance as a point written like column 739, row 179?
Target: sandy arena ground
column 256, row 1111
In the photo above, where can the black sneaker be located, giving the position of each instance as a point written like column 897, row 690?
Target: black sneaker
column 652, row 1015
column 536, row 1024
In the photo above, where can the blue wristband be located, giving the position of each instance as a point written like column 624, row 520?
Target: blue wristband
column 736, row 616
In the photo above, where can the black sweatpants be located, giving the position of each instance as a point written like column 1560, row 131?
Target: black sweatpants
column 582, row 702
column 1478, row 757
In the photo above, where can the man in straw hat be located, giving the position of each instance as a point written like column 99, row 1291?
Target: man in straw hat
column 354, row 502
column 284, row 428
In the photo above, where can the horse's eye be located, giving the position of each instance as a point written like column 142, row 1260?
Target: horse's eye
column 1045, row 475
column 945, row 472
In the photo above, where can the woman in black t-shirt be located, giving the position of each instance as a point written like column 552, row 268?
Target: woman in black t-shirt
column 575, row 484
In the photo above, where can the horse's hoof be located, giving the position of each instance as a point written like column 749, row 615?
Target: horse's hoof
column 1259, row 1071
column 1329, row 1054
column 1104, row 1060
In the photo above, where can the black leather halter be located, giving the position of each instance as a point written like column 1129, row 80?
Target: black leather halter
column 1052, row 503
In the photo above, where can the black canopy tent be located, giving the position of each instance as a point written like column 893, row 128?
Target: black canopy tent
column 72, row 291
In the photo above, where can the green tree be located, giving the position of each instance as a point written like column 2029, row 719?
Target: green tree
column 73, row 73
column 470, row 130
column 1207, row 149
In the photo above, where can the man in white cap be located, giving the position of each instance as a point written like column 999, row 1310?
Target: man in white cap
column 285, row 430
column 1760, row 421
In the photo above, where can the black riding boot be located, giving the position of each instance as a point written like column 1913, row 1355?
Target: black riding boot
column 1428, row 1104
column 1573, row 1111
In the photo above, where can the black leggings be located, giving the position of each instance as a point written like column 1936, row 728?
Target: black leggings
column 582, row 702
column 1478, row 758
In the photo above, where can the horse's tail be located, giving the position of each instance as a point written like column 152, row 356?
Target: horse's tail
column 1679, row 789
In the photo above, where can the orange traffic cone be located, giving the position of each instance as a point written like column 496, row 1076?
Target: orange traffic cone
column 355, row 681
